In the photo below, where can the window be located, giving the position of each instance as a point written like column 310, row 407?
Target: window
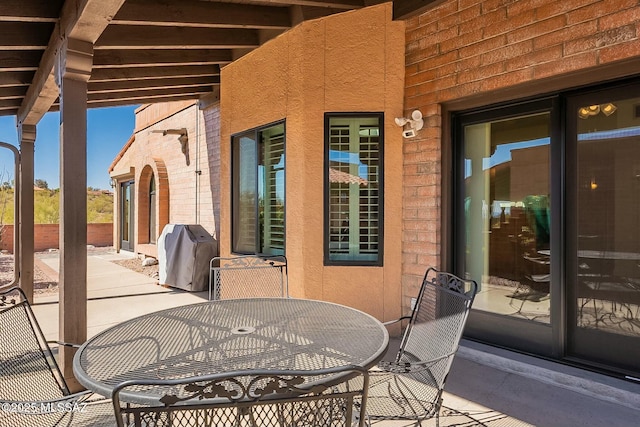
column 353, row 183
column 258, row 191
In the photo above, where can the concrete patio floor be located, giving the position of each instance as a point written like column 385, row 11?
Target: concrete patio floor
column 486, row 386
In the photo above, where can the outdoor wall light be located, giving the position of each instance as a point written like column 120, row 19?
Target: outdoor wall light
column 415, row 124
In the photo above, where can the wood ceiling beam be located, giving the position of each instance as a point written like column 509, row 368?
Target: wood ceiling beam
column 20, row 60
column 150, row 93
column 404, row 9
column 7, row 104
column 29, row 11
column 193, row 13
column 133, row 85
column 13, row 92
column 338, row 4
column 146, row 57
column 142, row 37
column 136, row 101
column 15, row 78
column 79, row 19
column 115, row 74
column 25, row 36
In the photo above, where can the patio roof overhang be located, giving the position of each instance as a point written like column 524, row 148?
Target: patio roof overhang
column 143, row 50
column 70, row 55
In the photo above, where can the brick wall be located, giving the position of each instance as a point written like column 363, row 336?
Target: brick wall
column 46, row 236
column 481, row 52
column 186, row 183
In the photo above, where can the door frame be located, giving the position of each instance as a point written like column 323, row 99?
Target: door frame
column 525, row 335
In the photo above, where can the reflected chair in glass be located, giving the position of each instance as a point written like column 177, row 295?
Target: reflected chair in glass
column 410, row 387
column 33, row 391
column 534, row 285
column 248, row 398
column 248, row 276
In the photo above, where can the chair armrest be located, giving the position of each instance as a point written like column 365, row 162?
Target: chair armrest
column 65, row 344
column 391, row 322
column 409, row 367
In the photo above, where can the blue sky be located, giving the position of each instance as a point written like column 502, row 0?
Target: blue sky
column 108, row 129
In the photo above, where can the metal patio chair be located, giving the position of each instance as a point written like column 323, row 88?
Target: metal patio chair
column 248, row 276
column 410, row 387
column 248, row 398
column 33, row 391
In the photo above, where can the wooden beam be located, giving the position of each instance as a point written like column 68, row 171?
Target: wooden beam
column 405, row 9
column 148, row 94
column 19, row 60
column 13, row 92
column 338, row 4
column 112, row 74
column 25, row 35
column 138, row 101
column 82, row 19
column 15, row 78
column 300, row 14
column 7, row 104
column 133, row 85
column 140, row 36
column 193, row 13
column 146, row 57
column 30, row 11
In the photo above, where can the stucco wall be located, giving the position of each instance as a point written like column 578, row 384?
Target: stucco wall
column 184, row 184
column 465, row 54
column 351, row 62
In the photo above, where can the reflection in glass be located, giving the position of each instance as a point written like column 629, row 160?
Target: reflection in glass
column 507, row 215
column 126, row 211
column 354, row 179
column 608, row 206
column 258, row 175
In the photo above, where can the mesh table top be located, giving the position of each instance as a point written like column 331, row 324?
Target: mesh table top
column 227, row 335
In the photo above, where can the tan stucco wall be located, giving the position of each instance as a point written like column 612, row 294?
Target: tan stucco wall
column 350, row 62
column 185, row 196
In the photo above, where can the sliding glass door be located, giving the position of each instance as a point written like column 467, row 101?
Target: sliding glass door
column 504, row 204
column 547, row 221
column 603, row 246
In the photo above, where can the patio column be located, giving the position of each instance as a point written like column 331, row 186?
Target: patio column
column 73, row 72
column 24, row 250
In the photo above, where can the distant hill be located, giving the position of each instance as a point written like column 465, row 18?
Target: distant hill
column 47, row 206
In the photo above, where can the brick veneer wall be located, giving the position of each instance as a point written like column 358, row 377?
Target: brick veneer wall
column 46, row 236
column 468, row 53
column 187, row 183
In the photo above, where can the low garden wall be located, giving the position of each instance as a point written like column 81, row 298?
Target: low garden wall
column 46, row 236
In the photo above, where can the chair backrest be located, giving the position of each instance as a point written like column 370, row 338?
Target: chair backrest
column 437, row 321
column 248, row 276
column 256, row 398
column 28, row 369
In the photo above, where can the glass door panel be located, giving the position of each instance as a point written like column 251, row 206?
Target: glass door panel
column 507, row 215
column 605, row 262
column 126, row 215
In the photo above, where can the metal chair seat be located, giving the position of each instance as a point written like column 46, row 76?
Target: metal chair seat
column 33, row 391
column 410, row 387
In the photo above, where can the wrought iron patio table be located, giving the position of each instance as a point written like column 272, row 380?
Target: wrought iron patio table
column 229, row 335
